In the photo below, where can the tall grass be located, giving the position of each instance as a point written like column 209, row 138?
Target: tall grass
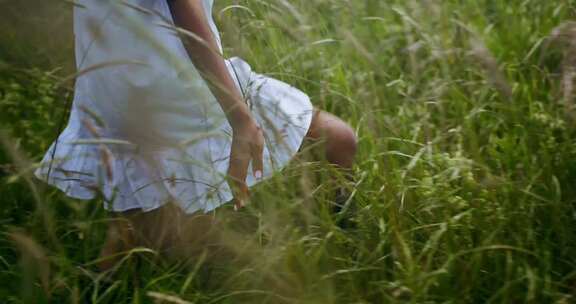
column 464, row 179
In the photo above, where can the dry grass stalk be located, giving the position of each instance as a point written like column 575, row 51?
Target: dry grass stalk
column 164, row 298
column 490, row 65
column 564, row 35
column 106, row 155
column 348, row 36
column 33, row 257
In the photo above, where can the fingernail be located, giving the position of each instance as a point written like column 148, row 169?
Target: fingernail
column 258, row 174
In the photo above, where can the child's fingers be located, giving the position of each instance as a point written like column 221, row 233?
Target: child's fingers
column 257, row 156
column 237, row 172
column 239, row 202
column 239, row 192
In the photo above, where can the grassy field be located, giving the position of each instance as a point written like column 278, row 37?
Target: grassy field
column 465, row 179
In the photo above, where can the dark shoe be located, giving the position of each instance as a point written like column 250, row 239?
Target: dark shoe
column 344, row 210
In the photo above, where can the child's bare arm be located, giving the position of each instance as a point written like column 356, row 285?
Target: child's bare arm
column 248, row 141
column 189, row 15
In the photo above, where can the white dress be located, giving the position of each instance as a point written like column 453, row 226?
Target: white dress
column 144, row 128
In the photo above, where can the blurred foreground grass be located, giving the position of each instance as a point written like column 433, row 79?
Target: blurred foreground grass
column 465, row 177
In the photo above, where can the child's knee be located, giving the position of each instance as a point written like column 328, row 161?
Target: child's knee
column 348, row 139
column 344, row 140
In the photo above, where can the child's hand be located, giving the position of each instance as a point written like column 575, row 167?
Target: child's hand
column 247, row 145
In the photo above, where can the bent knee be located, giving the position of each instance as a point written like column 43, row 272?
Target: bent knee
column 345, row 138
column 342, row 144
column 339, row 137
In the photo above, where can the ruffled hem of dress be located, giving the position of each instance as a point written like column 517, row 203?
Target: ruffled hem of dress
column 126, row 181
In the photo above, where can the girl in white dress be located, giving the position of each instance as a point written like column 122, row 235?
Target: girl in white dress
column 165, row 129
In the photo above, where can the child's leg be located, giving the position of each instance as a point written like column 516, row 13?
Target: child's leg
column 119, row 238
column 127, row 230
column 167, row 230
column 339, row 145
column 340, row 142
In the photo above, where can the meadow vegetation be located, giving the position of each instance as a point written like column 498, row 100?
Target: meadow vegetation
column 465, row 182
